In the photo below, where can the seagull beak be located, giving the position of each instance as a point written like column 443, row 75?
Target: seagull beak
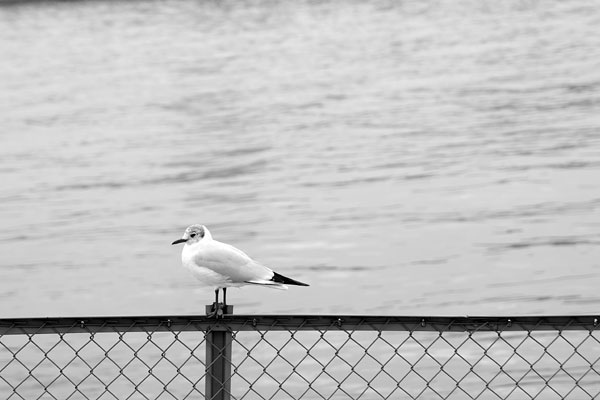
column 179, row 241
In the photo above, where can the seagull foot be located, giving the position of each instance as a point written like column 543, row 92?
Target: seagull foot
column 216, row 311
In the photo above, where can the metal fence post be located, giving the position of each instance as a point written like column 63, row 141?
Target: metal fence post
column 218, row 361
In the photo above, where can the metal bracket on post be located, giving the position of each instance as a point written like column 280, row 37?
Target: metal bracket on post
column 218, row 360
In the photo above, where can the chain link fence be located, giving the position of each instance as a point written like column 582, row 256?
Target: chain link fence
column 300, row 357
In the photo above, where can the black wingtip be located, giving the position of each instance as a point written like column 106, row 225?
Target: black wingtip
column 286, row 281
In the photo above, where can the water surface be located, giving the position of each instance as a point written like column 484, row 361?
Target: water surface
column 431, row 157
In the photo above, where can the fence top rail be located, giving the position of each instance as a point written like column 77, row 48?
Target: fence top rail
column 150, row 324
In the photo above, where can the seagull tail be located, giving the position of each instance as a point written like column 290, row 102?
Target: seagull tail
column 286, row 281
column 269, row 284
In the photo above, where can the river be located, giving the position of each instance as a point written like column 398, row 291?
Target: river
column 402, row 157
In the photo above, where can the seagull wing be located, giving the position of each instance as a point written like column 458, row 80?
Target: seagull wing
column 233, row 264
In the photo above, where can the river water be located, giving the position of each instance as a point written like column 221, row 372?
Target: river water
column 402, row 157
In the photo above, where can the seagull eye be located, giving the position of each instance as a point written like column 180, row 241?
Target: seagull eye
column 192, row 235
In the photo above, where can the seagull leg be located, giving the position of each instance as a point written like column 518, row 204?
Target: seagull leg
column 215, row 306
column 220, row 308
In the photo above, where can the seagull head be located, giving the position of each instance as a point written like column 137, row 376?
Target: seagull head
column 193, row 234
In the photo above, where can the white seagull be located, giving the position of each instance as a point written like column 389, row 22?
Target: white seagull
column 221, row 265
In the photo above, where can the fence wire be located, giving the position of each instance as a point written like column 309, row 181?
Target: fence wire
column 302, row 357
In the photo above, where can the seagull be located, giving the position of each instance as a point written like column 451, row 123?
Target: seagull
column 221, row 265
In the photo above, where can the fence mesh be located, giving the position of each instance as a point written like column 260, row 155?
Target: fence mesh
column 302, row 357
